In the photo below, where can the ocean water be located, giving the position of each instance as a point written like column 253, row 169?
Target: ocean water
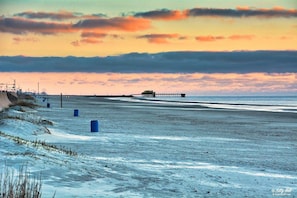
column 260, row 100
column 168, row 146
column 253, row 103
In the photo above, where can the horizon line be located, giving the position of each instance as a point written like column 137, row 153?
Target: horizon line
column 173, row 51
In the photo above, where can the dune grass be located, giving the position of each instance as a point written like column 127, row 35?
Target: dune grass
column 24, row 103
column 39, row 143
column 19, row 184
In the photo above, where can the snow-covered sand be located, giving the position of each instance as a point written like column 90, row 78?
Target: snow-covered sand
column 4, row 101
column 146, row 149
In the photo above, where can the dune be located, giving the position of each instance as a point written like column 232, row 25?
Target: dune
column 6, row 98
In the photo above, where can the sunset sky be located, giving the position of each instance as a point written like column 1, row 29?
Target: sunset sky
column 112, row 28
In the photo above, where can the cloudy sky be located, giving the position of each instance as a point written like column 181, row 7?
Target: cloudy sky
column 123, row 47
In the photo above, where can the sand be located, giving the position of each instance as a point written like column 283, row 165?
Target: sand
column 4, row 101
column 155, row 150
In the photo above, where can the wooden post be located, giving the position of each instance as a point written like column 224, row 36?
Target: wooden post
column 61, row 100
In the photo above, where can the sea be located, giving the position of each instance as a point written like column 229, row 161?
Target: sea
column 197, row 146
column 256, row 103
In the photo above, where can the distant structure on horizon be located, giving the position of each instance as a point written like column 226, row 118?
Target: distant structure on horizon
column 148, row 93
column 8, row 87
column 151, row 93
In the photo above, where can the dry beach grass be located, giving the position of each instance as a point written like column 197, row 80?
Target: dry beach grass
column 19, row 184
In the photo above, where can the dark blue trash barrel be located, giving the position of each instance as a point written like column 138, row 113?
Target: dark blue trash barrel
column 94, row 126
column 48, row 105
column 75, row 113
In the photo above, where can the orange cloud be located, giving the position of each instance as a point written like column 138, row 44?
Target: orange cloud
column 75, row 43
column 17, row 40
column 278, row 8
column 24, row 26
column 209, row 38
column 238, row 37
column 93, row 38
column 243, row 8
column 90, row 41
column 131, row 24
column 285, row 37
column 78, row 43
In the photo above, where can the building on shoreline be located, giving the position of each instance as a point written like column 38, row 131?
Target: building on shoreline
column 148, row 93
column 151, row 93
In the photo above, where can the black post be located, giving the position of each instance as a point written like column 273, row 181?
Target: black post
column 61, row 100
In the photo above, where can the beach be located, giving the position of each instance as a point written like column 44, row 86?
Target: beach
column 154, row 148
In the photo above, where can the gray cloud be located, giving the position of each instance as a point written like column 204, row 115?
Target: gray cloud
column 62, row 15
column 168, row 62
column 58, row 16
column 23, row 26
column 241, row 12
column 158, row 38
column 31, row 22
column 165, row 14
column 93, row 34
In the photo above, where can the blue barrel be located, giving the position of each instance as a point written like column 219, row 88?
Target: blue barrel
column 48, row 105
column 94, row 126
column 75, row 113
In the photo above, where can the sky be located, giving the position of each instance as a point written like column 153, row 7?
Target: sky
column 124, row 47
